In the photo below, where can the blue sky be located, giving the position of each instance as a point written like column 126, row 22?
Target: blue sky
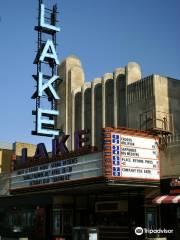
column 104, row 34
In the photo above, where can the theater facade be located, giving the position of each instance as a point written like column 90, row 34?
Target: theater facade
column 103, row 174
column 110, row 151
column 101, row 193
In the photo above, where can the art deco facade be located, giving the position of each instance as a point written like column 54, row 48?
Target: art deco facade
column 121, row 99
column 93, row 105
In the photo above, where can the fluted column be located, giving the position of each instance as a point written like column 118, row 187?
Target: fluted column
column 117, row 72
column 94, row 113
column 83, row 89
column 106, row 77
column 133, row 74
column 74, row 92
column 71, row 72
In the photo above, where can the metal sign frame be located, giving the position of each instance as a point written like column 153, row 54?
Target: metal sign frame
column 46, row 82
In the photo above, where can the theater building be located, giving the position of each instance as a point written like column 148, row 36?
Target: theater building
column 107, row 184
column 109, row 191
column 118, row 99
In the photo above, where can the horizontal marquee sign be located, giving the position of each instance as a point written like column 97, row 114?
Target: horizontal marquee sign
column 125, row 157
column 132, row 156
column 85, row 166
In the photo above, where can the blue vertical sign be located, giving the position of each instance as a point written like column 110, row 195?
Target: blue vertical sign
column 115, row 153
column 46, row 81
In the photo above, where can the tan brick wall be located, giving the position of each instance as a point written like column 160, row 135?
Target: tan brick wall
column 6, row 160
column 170, row 159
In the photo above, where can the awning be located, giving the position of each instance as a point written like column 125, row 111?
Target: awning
column 167, row 199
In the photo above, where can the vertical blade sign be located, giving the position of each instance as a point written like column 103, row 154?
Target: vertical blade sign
column 46, row 76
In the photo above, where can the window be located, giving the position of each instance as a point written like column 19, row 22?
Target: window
column 62, row 221
column 57, row 221
column 151, row 218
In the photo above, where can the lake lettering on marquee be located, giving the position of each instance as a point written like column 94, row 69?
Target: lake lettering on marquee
column 59, row 146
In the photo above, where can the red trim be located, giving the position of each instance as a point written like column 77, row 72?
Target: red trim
column 167, row 199
column 129, row 130
column 175, row 191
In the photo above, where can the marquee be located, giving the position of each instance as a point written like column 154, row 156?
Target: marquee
column 131, row 154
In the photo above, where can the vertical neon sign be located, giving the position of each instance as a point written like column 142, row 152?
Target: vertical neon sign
column 46, row 75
